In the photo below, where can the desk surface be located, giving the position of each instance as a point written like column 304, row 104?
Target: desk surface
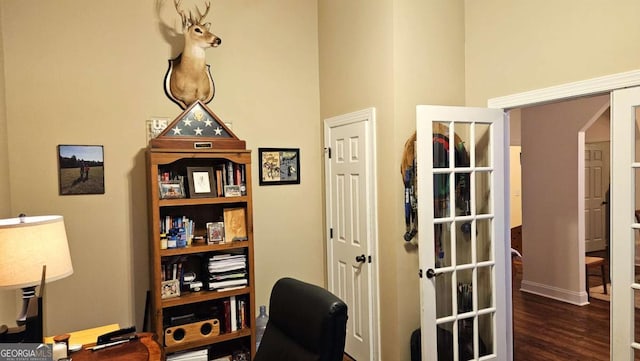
column 144, row 348
column 87, row 336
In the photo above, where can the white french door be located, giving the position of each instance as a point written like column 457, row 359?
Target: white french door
column 463, row 201
column 625, row 226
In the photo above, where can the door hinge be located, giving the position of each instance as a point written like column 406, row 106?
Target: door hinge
column 328, row 151
column 369, row 259
column 420, row 273
column 331, row 233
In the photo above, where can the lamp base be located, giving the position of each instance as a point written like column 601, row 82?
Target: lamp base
column 27, row 294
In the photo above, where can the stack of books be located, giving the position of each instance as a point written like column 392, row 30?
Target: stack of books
column 178, row 231
column 198, row 355
column 227, row 272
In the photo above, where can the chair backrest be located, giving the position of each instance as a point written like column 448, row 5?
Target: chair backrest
column 306, row 322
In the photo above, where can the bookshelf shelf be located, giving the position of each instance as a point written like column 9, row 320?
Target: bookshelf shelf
column 217, row 339
column 200, row 201
column 203, row 248
column 178, row 218
column 202, row 296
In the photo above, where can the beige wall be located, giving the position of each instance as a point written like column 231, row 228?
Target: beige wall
column 92, row 73
column 8, row 310
column 550, row 231
column 515, row 46
column 369, row 56
column 356, row 72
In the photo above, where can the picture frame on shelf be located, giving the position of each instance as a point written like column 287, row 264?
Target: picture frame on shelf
column 170, row 289
column 279, row 166
column 201, row 182
column 171, row 189
column 235, row 224
column 215, row 232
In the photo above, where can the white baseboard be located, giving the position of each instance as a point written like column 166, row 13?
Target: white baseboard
column 560, row 294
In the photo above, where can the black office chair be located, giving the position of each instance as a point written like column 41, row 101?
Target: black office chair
column 306, row 322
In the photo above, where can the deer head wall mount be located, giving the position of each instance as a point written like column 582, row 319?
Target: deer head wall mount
column 189, row 78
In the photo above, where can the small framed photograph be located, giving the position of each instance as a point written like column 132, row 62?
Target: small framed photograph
column 81, row 169
column 232, row 191
column 215, row 232
column 279, row 166
column 171, row 189
column 170, row 289
column 201, row 182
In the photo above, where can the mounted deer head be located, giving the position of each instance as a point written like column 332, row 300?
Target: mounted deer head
column 188, row 78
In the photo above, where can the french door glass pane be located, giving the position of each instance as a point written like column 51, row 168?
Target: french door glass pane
column 444, row 302
column 483, row 194
column 463, row 242
column 485, row 330
column 485, row 294
column 483, row 145
column 442, row 237
column 483, row 240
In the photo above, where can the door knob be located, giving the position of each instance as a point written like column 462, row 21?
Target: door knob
column 361, row 258
column 431, row 273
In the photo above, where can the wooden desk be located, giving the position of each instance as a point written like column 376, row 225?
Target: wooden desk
column 145, row 348
column 87, row 336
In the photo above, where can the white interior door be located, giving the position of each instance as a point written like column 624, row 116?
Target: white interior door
column 625, row 201
column 351, row 217
column 463, row 199
column 596, row 168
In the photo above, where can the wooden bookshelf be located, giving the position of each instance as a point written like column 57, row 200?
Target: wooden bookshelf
column 199, row 210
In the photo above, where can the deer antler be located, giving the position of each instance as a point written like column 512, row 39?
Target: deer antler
column 183, row 15
column 189, row 20
column 201, row 15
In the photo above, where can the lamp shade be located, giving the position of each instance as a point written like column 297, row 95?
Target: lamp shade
column 28, row 243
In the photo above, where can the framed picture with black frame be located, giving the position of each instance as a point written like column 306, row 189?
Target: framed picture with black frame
column 201, row 182
column 279, row 166
column 80, row 169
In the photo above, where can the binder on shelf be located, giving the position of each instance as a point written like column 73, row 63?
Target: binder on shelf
column 227, row 271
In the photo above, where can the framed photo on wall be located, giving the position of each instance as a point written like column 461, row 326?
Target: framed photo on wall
column 279, row 166
column 80, row 169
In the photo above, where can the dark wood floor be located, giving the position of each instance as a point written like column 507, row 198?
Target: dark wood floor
column 550, row 330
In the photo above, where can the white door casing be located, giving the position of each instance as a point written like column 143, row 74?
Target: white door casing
column 625, row 177
column 622, row 188
column 351, row 215
column 462, row 246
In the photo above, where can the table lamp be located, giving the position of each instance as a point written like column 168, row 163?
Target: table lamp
column 27, row 244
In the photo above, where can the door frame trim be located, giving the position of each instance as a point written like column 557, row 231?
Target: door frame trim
column 598, row 85
column 368, row 116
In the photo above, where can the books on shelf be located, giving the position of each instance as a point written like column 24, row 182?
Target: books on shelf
column 177, row 230
column 235, row 314
column 231, row 179
column 197, row 355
